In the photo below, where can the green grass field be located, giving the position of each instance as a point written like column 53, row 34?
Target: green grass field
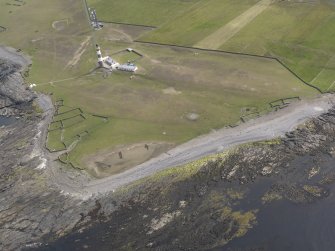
column 300, row 34
column 198, row 22
column 69, row 127
column 54, row 143
column 144, row 12
column 49, row 49
column 171, row 83
column 217, row 87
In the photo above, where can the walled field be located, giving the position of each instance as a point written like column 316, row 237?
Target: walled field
column 176, row 95
column 300, row 33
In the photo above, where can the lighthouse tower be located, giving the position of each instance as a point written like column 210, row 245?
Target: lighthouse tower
column 99, row 54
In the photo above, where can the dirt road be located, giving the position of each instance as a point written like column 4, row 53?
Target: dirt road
column 77, row 55
column 273, row 125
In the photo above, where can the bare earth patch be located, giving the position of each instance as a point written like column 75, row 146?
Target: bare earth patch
column 79, row 53
column 157, row 224
column 218, row 38
column 171, row 91
column 109, row 162
column 192, row 116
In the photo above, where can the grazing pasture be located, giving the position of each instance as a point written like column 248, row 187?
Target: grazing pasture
column 177, row 93
column 141, row 12
column 299, row 33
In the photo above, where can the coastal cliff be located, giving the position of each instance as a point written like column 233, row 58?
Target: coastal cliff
column 258, row 196
column 206, row 205
column 14, row 95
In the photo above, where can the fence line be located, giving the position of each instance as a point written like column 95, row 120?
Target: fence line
column 239, row 54
column 129, row 24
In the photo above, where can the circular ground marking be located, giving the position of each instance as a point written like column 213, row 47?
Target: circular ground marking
column 60, row 25
column 192, row 116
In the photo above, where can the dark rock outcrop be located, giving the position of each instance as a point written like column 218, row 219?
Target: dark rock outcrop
column 14, row 95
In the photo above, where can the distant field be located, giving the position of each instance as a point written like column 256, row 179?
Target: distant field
column 301, row 34
column 31, row 30
column 199, row 21
column 145, row 12
column 172, row 84
column 229, row 30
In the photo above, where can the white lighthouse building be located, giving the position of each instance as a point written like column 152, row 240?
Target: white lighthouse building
column 99, row 54
column 111, row 64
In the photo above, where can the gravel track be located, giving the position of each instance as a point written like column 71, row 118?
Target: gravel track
column 80, row 185
column 270, row 126
column 229, row 30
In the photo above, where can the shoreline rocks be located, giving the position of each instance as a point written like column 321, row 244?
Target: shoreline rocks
column 14, row 95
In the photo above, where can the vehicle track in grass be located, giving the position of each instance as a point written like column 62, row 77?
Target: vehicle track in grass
column 226, row 32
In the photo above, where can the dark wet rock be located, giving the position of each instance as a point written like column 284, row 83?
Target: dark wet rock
column 199, row 212
column 300, row 194
column 8, row 68
column 30, row 207
column 152, row 218
column 14, row 95
column 14, row 92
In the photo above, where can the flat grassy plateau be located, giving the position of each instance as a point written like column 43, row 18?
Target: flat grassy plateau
column 177, row 94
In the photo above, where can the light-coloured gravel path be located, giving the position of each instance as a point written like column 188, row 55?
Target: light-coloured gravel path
column 222, row 35
column 272, row 125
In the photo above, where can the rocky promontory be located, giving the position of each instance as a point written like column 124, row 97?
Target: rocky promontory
column 217, row 205
column 14, row 95
column 30, row 205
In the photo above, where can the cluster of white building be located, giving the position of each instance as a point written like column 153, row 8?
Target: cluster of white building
column 111, row 64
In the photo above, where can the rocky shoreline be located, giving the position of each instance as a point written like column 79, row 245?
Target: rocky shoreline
column 30, row 205
column 221, row 202
column 185, row 209
column 15, row 97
